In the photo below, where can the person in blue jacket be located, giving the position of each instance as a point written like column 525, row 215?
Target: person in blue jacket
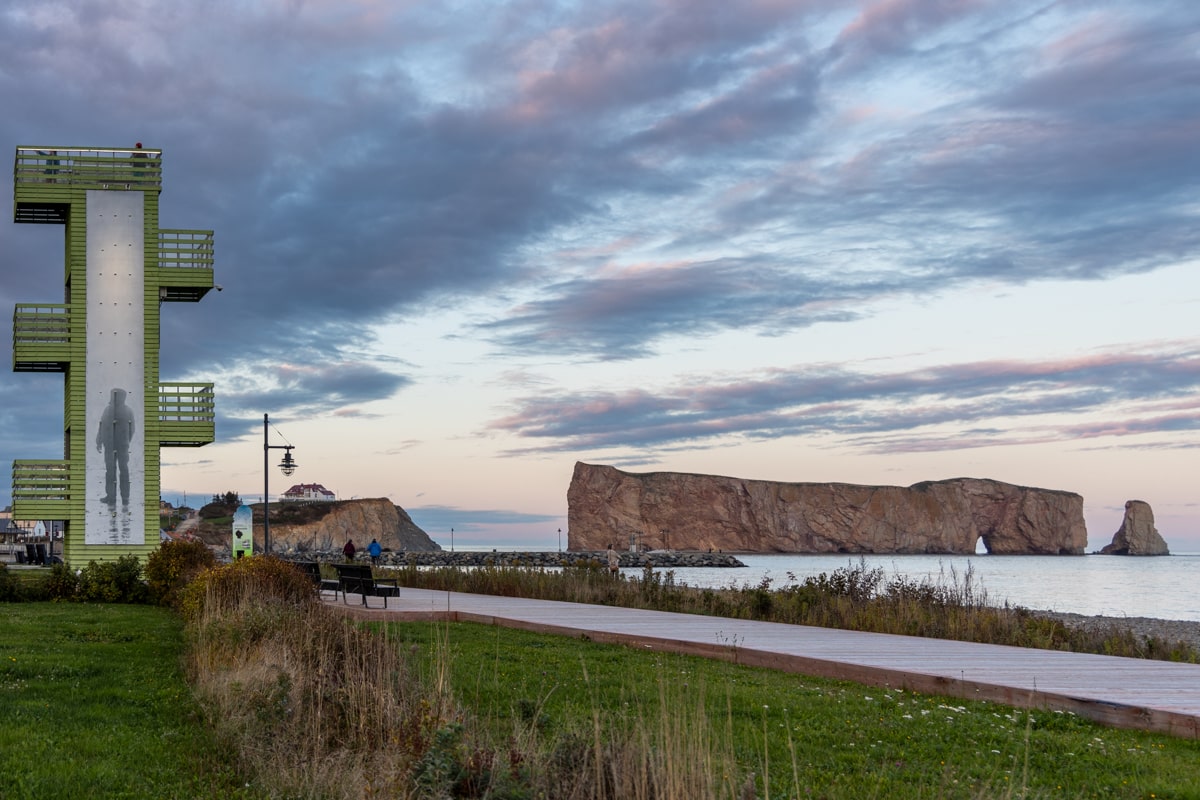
column 373, row 550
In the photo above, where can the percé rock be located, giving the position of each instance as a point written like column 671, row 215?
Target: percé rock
column 1137, row 535
column 673, row 510
column 364, row 520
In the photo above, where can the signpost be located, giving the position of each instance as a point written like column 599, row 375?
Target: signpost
column 243, row 532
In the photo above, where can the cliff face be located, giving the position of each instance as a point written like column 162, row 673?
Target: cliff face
column 1137, row 535
column 361, row 519
column 669, row 510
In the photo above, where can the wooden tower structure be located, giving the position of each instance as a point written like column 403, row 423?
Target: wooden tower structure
column 120, row 267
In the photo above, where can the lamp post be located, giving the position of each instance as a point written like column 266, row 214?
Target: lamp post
column 560, row 540
column 452, row 540
column 287, row 467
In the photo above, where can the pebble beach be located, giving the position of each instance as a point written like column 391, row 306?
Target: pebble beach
column 1170, row 630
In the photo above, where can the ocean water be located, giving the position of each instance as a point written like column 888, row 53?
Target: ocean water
column 1167, row 587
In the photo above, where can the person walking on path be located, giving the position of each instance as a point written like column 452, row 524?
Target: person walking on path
column 373, row 550
column 348, row 550
column 614, row 561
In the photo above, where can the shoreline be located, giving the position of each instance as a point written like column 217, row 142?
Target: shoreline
column 1168, row 630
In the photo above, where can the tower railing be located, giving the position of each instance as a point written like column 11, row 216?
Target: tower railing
column 186, row 402
column 88, row 167
column 40, row 482
column 181, row 248
column 41, row 336
column 41, row 323
column 186, row 414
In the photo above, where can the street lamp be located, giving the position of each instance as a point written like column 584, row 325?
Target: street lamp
column 560, row 540
column 452, row 540
column 287, row 467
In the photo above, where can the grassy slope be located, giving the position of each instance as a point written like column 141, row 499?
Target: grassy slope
column 848, row 741
column 94, row 705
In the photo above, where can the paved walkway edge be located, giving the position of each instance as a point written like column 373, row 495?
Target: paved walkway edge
column 1112, row 714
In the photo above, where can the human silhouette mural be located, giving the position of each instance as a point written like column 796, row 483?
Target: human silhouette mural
column 113, row 439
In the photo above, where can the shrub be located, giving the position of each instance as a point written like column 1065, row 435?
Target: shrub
column 62, row 583
column 262, row 578
column 117, row 581
column 172, row 566
column 8, row 585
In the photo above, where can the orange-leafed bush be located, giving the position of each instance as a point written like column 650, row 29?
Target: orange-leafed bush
column 246, row 580
column 172, row 566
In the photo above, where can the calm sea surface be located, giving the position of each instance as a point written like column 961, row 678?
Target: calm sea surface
column 1167, row 587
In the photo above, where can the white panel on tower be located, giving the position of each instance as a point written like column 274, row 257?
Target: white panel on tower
column 115, row 464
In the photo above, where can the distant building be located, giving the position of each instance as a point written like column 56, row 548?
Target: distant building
column 309, row 492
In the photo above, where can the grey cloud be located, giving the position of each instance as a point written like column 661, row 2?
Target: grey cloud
column 311, row 388
column 778, row 101
column 359, row 198
column 26, row 429
column 350, row 180
column 841, row 401
column 616, row 318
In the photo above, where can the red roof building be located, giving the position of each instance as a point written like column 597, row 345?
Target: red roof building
column 309, row 492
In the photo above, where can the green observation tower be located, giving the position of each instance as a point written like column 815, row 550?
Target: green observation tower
column 120, row 267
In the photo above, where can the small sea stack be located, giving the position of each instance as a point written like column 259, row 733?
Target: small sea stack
column 1137, row 535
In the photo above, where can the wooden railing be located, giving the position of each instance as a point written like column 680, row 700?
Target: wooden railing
column 41, row 337
column 88, row 167
column 41, row 480
column 186, row 402
column 185, row 249
column 41, row 323
column 186, row 414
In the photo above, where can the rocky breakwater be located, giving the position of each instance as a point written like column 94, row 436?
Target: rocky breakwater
column 1137, row 535
column 684, row 511
column 537, row 559
column 362, row 520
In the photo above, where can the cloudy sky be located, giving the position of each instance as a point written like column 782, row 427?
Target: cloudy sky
column 467, row 244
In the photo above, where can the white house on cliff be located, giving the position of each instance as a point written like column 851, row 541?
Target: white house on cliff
column 309, row 493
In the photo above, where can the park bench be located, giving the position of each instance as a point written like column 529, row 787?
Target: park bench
column 313, row 570
column 358, row 579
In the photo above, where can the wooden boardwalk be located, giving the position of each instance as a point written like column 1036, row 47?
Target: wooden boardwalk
column 1122, row 692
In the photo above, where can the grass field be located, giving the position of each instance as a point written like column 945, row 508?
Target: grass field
column 801, row 737
column 93, row 704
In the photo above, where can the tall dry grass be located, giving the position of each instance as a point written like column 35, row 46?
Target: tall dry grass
column 320, row 707
column 857, row 597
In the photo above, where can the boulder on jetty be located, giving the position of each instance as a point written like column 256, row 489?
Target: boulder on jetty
column 1137, row 535
column 531, row 558
column 681, row 511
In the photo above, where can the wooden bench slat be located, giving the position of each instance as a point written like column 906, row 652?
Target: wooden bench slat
column 360, row 580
